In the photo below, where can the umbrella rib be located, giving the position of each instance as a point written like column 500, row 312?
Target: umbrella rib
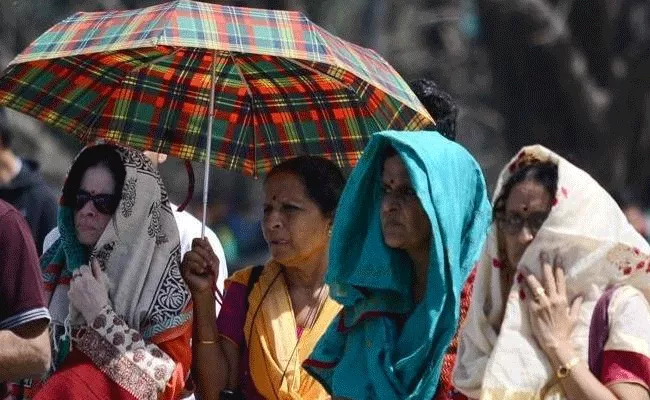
column 155, row 61
column 250, row 94
column 134, row 70
column 343, row 85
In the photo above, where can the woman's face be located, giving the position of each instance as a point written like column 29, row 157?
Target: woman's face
column 526, row 209
column 95, row 204
column 404, row 223
column 294, row 227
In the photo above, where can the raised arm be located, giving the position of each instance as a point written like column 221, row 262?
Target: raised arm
column 215, row 359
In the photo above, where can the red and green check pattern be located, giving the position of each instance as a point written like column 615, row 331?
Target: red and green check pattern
column 141, row 78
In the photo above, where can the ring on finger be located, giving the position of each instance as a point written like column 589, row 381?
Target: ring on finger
column 539, row 292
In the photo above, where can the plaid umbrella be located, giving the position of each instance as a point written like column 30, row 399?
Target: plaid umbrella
column 283, row 86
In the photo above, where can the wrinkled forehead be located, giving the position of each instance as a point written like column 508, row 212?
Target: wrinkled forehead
column 394, row 171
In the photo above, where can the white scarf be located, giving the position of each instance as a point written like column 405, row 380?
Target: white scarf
column 599, row 247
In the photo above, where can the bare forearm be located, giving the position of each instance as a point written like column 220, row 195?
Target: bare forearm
column 23, row 356
column 209, row 365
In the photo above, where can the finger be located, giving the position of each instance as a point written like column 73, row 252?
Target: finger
column 560, row 280
column 96, row 268
column 204, row 253
column 200, row 242
column 83, row 271
column 194, row 268
column 549, row 278
column 536, row 289
column 575, row 307
column 194, row 257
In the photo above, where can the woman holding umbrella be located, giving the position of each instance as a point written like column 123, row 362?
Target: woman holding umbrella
column 120, row 310
column 272, row 315
column 409, row 228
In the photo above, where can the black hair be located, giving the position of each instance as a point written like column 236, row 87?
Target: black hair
column 439, row 104
column 5, row 132
column 103, row 154
column 323, row 180
column 626, row 198
column 544, row 173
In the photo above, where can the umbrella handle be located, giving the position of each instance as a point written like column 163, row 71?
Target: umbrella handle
column 208, row 150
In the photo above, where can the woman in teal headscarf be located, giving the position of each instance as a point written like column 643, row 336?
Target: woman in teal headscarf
column 410, row 225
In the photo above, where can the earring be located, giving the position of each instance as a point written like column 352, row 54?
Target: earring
column 329, row 232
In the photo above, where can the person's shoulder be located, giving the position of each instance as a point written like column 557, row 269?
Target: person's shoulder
column 241, row 276
column 184, row 218
column 628, row 301
column 5, row 208
column 10, row 215
column 188, row 223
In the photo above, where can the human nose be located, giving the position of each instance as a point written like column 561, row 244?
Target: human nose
column 389, row 203
column 88, row 209
column 525, row 235
column 273, row 220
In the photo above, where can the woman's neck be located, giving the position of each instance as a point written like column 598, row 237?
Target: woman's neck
column 309, row 276
column 420, row 258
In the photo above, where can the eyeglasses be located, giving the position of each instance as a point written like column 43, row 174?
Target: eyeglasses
column 512, row 223
column 104, row 203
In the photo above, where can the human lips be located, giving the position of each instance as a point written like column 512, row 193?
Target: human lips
column 392, row 224
column 85, row 228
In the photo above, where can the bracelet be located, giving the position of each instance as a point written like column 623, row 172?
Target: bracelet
column 565, row 369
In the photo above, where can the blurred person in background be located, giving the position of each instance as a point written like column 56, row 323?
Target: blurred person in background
column 22, row 185
column 439, row 104
column 24, row 317
column 634, row 211
column 273, row 314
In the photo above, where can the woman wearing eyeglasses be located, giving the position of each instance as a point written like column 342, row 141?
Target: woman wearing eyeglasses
column 121, row 314
column 560, row 304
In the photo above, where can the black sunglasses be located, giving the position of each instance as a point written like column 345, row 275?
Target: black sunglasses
column 104, row 203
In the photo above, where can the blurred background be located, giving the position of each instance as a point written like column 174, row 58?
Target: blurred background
column 573, row 75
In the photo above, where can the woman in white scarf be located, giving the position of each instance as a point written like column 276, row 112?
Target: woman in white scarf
column 558, row 244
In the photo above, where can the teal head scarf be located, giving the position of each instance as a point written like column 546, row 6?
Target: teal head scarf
column 364, row 353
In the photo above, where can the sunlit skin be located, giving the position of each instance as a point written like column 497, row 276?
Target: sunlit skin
column 295, row 229
column 552, row 315
column 525, row 199
column 404, row 223
column 90, row 223
column 637, row 219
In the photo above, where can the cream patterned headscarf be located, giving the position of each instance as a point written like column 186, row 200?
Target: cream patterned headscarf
column 501, row 360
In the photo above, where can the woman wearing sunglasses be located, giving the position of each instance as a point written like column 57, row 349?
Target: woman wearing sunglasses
column 121, row 314
column 559, row 309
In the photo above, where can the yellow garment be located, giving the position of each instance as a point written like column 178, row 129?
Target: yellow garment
column 272, row 339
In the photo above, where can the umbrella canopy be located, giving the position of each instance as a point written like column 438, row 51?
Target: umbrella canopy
column 142, row 78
